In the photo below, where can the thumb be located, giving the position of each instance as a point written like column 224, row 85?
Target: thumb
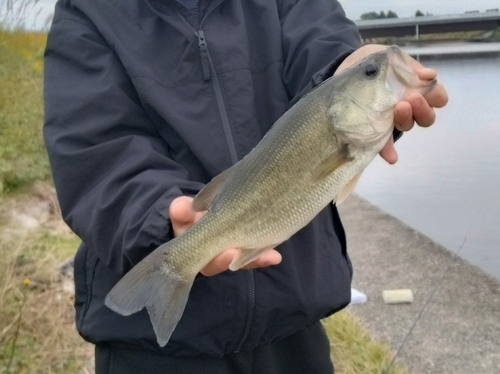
column 180, row 210
column 425, row 74
column 182, row 214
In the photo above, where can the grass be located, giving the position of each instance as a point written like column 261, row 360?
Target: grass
column 354, row 351
column 23, row 158
column 37, row 331
column 458, row 36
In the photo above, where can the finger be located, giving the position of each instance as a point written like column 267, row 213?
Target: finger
column 425, row 74
column 182, row 215
column 422, row 112
column 388, row 153
column 403, row 116
column 219, row 264
column 180, row 210
column 437, row 97
column 268, row 258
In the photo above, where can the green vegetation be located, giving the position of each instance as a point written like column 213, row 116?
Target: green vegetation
column 23, row 157
column 462, row 36
column 479, row 35
column 37, row 330
column 37, row 333
column 354, row 351
column 381, row 15
column 496, row 34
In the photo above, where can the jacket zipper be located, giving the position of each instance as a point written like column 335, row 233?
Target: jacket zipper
column 251, row 308
column 205, row 59
column 210, row 73
column 205, row 56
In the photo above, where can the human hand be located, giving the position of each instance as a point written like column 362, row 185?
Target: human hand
column 183, row 217
column 415, row 108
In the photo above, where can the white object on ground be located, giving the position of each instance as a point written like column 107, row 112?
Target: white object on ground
column 357, row 297
column 398, row 296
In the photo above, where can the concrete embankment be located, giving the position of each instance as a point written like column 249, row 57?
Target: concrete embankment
column 459, row 332
column 454, row 50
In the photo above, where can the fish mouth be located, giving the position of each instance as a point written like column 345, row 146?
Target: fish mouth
column 401, row 64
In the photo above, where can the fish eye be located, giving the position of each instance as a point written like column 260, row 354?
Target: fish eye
column 371, row 69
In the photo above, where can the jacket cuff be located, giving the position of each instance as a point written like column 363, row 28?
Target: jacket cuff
column 396, row 134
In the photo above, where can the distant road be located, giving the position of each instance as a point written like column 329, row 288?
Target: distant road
column 428, row 24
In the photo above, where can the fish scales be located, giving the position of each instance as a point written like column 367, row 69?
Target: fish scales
column 264, row 206
column 312, row 155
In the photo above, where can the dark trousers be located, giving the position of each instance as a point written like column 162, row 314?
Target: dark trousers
column 305, row 352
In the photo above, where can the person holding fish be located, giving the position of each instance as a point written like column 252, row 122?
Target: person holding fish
column 196, row 148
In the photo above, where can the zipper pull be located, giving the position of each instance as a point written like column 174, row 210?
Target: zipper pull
column 205, row 62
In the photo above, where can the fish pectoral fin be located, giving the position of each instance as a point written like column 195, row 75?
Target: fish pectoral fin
column 204, row 199
column 347, row 190
column 246, row 255
column 332, row 163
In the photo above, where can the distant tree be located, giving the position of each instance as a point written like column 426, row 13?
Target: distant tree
column 418, row 13
column 391, row 14
column 381, row 15
column 370, row 15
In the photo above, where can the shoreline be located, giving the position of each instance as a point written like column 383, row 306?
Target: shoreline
column 455, row 334
column 454, row 50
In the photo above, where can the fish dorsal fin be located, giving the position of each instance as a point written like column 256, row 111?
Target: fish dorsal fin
column 347, row 190
column 206, row 196
column 332, row 163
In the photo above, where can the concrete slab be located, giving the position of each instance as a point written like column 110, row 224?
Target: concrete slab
column 459, row 332
column 460, row 48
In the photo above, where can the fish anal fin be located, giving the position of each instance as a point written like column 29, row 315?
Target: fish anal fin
column 347, row 190
column 206, row 196
column 246, row 255
column 332, row 163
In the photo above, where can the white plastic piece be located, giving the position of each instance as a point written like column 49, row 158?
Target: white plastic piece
column 403, row 296
column 357, row 297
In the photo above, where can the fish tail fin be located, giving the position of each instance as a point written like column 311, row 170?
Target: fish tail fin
column 152, row 284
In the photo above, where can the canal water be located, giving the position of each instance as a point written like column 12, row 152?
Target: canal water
column 446, row 183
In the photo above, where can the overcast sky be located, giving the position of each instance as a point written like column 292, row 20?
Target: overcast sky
column 353, row 8
column 407, row 8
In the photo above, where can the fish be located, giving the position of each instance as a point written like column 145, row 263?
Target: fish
column 312, row 156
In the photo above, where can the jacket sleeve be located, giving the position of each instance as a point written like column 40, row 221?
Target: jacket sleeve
column 112, row 170
column 317, row 37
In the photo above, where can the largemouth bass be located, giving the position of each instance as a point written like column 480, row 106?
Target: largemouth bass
column 313, row 155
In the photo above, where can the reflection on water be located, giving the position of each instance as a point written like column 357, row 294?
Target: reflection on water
column 446, row 183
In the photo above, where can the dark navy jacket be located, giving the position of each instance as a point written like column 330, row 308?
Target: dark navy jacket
column 145, row 102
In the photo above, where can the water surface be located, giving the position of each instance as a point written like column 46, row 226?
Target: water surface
column 446, row 183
